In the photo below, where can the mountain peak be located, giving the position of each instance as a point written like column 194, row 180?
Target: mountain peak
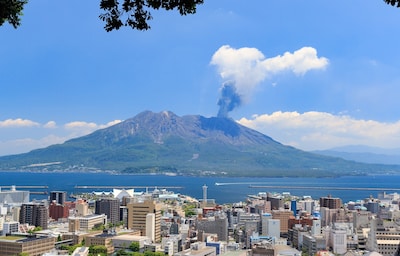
column 191, row 144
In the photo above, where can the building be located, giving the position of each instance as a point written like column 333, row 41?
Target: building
column 14, row 197
column 262, row 249
column 138, row 214
column 10, row 227
column 277, row 201
column 330, row 202
column 60, row 197
column 103, row 239
column 81, row 208
column 109, row 207
column 86, row 223
column 125, row 240
column 58, row 211
column 216, row 225
column 34, row 214
column 198, row 249
column 33, row 246
column 283, row 216
column 313, row 244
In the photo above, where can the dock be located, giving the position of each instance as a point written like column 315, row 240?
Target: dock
column 126, row 187
column 25, row 186
column 325, row 188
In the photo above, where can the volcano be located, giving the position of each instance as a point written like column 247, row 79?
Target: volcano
column 188, row 145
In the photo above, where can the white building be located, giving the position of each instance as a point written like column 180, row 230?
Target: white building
column 10, row 227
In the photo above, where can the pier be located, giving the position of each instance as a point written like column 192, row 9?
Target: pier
column 325, row 188
column 126, row 187
column 25, row 186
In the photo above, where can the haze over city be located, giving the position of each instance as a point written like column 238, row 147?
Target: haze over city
column 314, row 75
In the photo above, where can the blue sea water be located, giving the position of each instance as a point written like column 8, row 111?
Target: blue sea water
column 228, row 190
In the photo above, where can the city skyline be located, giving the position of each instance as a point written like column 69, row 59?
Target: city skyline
column 311, row 75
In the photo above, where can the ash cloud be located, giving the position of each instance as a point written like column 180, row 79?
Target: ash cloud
column 228, row 100
column 245, row 68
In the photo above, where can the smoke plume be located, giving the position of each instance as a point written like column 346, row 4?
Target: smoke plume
column 229, row 99
column 246, row 68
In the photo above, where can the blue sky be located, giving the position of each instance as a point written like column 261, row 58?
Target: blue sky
column 311, row 74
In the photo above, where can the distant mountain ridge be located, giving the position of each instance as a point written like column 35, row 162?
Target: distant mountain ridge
column 364, row 154
column 191, row 145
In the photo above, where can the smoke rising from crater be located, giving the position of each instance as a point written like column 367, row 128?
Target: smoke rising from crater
column 229, row 99
column 245, row 68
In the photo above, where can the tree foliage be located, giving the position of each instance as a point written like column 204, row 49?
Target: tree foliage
column 134, row 246
column 393, row 2
column 11, row 11
column 131, row 13
column 136, row 13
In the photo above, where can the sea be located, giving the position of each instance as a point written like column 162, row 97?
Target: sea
column 222, row 189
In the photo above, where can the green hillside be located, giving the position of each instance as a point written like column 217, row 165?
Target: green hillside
column 190, row 145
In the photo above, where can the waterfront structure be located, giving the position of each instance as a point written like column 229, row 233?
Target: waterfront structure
column 137, row 216
column 60, row 197
column 31, row 245
column 14, row 197
column 34, row 214
column 109, row 207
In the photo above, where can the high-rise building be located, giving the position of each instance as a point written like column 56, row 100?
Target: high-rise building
column 273, row 227
column 217, row 225
column 330, row 202
column 283, row 216
column 59, row 196
column 109, row 207
column 277, row 201
column 81, row 208
column 137, row 216
column 34, row 214
column 58, row 211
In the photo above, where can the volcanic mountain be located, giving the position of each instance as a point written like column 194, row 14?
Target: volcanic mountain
column 191, row 145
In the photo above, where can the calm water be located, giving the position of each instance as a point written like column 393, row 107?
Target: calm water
column 229, row 190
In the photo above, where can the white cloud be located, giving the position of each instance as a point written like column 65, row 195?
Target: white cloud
column 76, row 125
column 23, row 145
column 320, row 130
column 248, row 67
column 50, row 125
column 59, row 134
column 17, row 123
column 111, row 123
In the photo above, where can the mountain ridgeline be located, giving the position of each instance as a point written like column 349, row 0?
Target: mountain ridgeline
column 188, row 145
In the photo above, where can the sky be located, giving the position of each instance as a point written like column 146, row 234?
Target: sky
column 311, row 74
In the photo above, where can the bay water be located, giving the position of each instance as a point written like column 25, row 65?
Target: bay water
column 222, row 189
